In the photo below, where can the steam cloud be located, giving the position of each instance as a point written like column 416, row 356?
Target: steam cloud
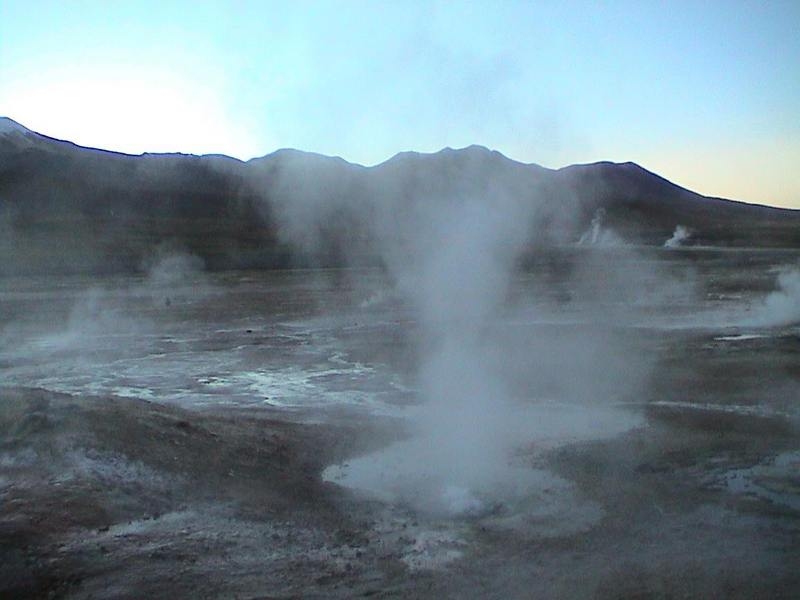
column 679, row 236
column 462, row 431
column 781, row 307
column 451, row 254
column 99, row 317
column 597, row 234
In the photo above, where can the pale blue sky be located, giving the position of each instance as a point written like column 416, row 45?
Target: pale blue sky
column 704, row 93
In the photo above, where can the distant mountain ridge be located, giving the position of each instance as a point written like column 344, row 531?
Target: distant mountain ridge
column 67, row 207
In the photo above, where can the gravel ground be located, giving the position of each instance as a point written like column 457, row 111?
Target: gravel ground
column 123, row 498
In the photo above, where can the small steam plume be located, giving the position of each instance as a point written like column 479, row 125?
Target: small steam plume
column 174, row 275
column 174, row 269
column 107, row 317
column 597, row 234
column 782, row 306
column 679, row 236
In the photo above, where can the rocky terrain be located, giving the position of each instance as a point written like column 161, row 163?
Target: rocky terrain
column 105, row 497
column 121, row 498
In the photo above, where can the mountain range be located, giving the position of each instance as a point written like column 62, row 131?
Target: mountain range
column 67, row 208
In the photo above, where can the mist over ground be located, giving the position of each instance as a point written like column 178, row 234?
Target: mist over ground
column 459, row 376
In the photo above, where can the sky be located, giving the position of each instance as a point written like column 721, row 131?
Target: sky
column 706, row 94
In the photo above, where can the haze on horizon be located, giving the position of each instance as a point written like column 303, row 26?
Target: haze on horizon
column 705, row 95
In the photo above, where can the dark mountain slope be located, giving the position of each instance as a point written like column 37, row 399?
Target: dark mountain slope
column 72, row 208
column 644, row 206
column 68, row 208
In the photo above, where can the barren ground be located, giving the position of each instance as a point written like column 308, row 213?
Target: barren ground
column 122, row 498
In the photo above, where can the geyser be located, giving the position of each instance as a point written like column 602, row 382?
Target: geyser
column 679, row 237
column 461, row 430
column 449, row 241
column 782, row 306
column 465, row 456
column 599, row 235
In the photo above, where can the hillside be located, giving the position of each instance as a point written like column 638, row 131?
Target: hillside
column 68, row 208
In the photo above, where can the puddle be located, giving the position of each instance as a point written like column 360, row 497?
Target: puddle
column 741, row 337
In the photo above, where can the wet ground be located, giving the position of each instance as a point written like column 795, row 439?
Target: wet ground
column 187, row 434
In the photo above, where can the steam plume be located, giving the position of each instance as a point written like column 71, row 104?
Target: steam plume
column 782, row 306
column 679, row 236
